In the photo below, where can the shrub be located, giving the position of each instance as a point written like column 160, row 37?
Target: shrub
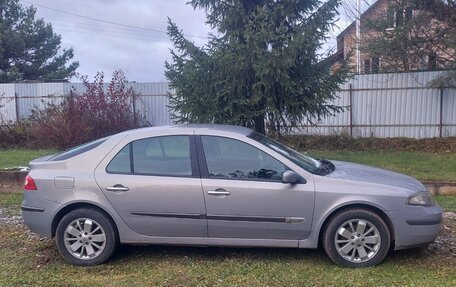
column 347, row 143
column 11, row 133
column 97, row 112
column 14, row 134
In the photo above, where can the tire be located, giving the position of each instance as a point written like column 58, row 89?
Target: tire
column 86, row 237
column 356, row 238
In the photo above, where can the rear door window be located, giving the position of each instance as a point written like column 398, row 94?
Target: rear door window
column 166, row 155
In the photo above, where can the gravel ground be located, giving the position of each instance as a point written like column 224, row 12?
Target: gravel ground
column 446, row 241
column 10, row 215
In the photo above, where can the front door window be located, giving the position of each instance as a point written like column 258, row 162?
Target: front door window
column 233, row 159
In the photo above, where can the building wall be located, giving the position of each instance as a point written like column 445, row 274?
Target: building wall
column 347, row 39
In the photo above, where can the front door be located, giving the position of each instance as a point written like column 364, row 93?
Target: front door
column 154, row 185
column 244, row 194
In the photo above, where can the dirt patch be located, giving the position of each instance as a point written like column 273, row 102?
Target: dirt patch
column 12, row 177
column 446, row 241
column 8, row 188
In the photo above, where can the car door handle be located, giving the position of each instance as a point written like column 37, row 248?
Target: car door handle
column 218, row 192
column 117, row 188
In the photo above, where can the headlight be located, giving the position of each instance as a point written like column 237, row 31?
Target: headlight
column 423, row 198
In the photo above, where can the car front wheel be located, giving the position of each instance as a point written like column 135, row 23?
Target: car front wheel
column 356, row 238
column 86, row 237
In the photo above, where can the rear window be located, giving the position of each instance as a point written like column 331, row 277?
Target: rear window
column 78, row 150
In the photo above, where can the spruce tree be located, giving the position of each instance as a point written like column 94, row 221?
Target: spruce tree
column 29, row 49
column 262, row 67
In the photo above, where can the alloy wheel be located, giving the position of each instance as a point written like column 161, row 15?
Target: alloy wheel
column 357, row 240
column 85, row 238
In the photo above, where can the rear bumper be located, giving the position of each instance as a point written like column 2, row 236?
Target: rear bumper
column 416, row 225
column 38, row 213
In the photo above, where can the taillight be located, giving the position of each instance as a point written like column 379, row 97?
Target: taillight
column 29, row 183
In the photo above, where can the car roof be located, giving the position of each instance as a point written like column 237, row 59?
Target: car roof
column 193, row 127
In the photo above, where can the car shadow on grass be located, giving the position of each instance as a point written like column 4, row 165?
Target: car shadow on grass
column 131, row 253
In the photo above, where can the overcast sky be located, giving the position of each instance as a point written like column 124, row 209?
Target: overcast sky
column 140, row 53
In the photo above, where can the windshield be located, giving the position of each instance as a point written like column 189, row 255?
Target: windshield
column 306, row 162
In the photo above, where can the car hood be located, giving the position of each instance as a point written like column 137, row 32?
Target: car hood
column 365, row 173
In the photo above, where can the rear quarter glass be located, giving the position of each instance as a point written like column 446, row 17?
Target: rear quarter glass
column 78, row 150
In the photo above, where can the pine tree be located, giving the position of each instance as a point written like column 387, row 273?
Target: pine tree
column 29, row 49
column 262, row 68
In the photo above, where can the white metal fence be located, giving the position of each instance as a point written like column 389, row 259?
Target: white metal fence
column 379, row 105
column 18, row 100
column 392, row 105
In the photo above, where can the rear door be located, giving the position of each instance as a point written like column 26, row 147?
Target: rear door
column 154, row 185
column 244, row 195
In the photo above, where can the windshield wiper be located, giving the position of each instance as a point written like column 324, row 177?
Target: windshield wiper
column 326, row 167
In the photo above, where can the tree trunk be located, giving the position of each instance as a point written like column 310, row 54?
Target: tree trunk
column 259, row 124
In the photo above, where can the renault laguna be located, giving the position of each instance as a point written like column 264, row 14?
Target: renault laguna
column 215, row 185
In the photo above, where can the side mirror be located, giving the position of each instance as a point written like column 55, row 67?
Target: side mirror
column 292, row 177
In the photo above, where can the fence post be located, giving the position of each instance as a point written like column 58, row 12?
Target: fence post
column 441, row 113
column 133, row 99
column 351, row 109
column 16, row 105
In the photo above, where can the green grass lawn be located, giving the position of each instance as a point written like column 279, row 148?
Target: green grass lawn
column 27, row 260
column 21, row 157
column 424, row 166
column 10, row 199
column 448, row 203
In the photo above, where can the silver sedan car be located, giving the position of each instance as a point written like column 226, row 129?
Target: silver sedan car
column 215, row 185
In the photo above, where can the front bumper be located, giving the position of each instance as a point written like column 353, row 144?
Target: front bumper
column 38, row 213
column 416, row 225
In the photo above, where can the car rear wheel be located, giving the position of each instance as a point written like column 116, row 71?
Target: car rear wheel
column 86, row 237
column 356, row 238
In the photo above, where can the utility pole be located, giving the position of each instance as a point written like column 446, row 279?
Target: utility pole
column 358, row 36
